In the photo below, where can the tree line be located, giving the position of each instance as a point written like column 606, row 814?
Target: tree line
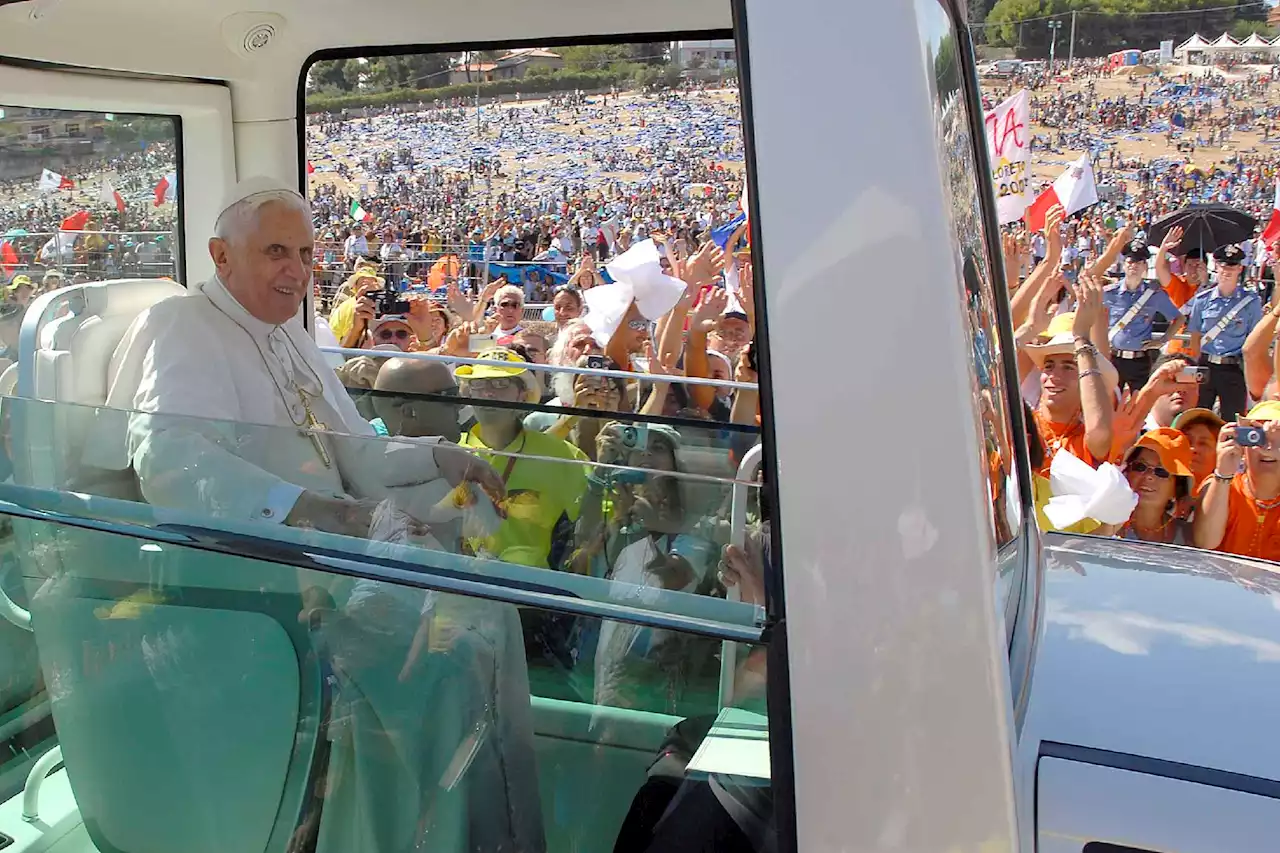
column 1103, row 26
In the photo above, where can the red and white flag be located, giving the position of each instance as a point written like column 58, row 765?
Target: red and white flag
column 167, row 189
column 1074, row 190
column 75, row 222
column 1271, row 233
column 52, row 181
column 109, row 195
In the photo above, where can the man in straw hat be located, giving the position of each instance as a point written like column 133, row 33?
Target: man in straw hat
column 1077, row 383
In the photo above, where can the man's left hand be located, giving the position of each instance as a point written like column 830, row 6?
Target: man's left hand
column 458, row 466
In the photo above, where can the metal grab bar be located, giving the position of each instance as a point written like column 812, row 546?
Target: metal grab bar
column 14, row 614
column 35, row 779
column 550, row 368
column 737, row 537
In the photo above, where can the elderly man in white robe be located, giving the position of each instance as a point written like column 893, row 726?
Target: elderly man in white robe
column 235, row 415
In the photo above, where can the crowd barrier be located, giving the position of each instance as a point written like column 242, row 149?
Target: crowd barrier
column 544, row 368
column 75, row 252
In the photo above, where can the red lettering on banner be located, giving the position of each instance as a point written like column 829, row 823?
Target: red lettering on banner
column 1000, row 135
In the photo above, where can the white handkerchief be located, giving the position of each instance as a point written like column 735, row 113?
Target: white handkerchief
column 607, row 304
column 1081, row 492
column 654, row 291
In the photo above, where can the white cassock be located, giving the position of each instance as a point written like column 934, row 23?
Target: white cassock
column 445, row 748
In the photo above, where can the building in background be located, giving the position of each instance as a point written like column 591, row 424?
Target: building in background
column 711, row 54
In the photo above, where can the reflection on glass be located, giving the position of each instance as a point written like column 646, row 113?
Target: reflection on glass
column 206, row 702
column 958, row 164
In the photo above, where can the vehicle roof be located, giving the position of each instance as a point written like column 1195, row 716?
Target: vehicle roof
column 202, row 38
column 1177, row 659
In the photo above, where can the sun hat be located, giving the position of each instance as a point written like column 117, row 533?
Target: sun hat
column 1171, row 446
column 1267, row 410
column 1197, row 416
column 1061, row 340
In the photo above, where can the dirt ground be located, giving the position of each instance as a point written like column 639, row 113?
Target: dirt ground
column 1046, row 166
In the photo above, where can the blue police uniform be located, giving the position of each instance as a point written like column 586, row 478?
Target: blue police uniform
column 1207, row 308
column 1222, row 355
column 1128, row 346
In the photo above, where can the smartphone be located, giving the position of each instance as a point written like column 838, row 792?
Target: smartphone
column 750, row 352
column 597, row 362
column 1248, row 435
column 1198, row 375
column 479, row 343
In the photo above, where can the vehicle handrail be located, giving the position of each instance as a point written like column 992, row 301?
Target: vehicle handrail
column 12, row 613
column 35, row 779
column 747, row 472
column 549, row 368
column 483, row 578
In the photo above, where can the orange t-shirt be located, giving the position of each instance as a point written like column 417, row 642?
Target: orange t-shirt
column 1056, row 436
column 1180, row 292
column 1251, row 531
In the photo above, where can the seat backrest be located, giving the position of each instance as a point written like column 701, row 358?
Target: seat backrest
column 68, row 359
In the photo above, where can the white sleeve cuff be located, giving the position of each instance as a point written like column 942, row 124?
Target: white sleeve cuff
column 278, row 503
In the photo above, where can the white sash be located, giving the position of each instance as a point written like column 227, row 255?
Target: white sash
column 1224, row 321
column 1130, row 314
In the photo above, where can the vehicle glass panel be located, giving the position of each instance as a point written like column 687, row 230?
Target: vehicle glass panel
column 958, row 162
column 87, row 196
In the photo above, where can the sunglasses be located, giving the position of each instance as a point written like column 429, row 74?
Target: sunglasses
column 500, row 383
column 1142, row 468
column 638, row 325
column 388, row 334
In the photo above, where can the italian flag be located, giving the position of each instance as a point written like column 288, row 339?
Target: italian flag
column 1074, row 190
column 358, row 213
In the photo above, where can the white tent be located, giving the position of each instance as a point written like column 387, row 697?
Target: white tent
column 1255, row 41
column 1224, row 42
column 1195, row 44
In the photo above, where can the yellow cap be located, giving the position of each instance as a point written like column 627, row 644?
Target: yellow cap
column 1267, row 410
column 492, row 371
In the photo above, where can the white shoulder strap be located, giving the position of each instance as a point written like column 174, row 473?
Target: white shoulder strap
column 1224, row 321
column 1130, row 314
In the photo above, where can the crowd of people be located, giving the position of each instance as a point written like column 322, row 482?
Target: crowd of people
column 601, row 435
column 1157, row 355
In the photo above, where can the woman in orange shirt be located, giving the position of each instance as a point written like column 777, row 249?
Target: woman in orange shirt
column 1239, row 511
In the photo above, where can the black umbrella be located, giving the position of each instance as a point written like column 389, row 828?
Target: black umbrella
column 1204, row 226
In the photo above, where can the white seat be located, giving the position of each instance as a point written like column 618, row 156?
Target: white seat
column 68, row 359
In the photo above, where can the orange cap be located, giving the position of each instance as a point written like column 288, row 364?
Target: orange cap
column 1172, row 447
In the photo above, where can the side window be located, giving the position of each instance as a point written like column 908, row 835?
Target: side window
column 956, row 145
column 89, row 196
column 477, row 570
column 84, row 197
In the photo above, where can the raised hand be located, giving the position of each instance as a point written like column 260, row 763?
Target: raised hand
column 1172, row 240
column 708, row 312
column 1088, row 304
column 706, row 264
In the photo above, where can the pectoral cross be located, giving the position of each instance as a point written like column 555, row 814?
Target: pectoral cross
column 313, row 428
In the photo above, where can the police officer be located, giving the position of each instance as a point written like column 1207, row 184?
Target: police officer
column 1132, row 306
column 1219, row 319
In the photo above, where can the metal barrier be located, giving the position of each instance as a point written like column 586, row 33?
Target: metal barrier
column 548, row 368
column 71, row 254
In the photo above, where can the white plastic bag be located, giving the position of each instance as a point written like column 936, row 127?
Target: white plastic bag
column 1080, row 492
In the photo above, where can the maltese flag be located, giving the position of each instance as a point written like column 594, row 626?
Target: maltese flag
column 51, row 181
column 1074, row 190
column 1271, row 233
column 167, row 189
